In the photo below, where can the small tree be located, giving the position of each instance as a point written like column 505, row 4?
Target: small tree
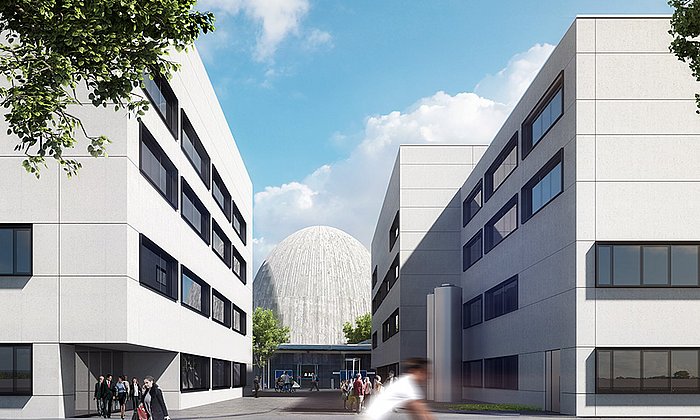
column 268, row 334
column 685, row 29
column 51, row 46
column 362, row 330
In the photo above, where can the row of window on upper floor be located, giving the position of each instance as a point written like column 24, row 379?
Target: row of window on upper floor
column 158, row 271
column 497, row 301
column 195, row 373
column 392, row 275
column 165, row 102
column 540, row 121
column 390, row 326
column 546, row 185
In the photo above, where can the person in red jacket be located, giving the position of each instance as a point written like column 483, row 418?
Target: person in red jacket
column 358, row 391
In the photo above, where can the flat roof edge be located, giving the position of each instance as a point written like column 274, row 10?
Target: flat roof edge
column 623, row 16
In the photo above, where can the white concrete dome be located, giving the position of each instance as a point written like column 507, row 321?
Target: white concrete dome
column 315, row 280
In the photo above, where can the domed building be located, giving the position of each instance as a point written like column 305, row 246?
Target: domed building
column 314, row 281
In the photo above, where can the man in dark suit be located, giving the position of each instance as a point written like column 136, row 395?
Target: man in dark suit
column 108, row 388
column 98, row 395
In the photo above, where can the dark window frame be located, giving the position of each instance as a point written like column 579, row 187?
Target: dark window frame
column 489, row 227
column 188, row 129
column 242, row 375
column 526, row 192
column 492, row 379
column 375, row 343
column 186, row 190
column 146, row 139
column 15, row 228
column 526, row 128
column 489, row 189
column 227, row 373
column 244, row 320
column 235, row 255
column 207, row 379
column 218, row 182
column 467, row 262
column 394, row 231
column 238, row 216
column 611, row 389
column 172, row 269
column 467, row 215
column 167, row 91
column 216, row 230
column 390, row 327
column 641, row 245
column 467, row 322
column 466, row 373
column 489, row 302
column 227, row 308
column 205, row 300
column 374, row 277
column 15, row 373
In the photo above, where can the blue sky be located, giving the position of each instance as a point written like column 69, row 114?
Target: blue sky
column 318, row 93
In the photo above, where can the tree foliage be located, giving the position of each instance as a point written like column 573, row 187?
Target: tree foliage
column 361, row 331
column 685, row 29
column 268, row 334
column 53, row 46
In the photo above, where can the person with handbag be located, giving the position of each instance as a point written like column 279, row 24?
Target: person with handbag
column 135, row 394
column 153, row 400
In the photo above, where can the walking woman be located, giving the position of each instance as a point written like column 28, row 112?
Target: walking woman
column 121, row 388
column 153, row 400
column 136, row 392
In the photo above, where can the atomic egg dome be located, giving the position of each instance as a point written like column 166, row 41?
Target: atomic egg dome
column 315, row 280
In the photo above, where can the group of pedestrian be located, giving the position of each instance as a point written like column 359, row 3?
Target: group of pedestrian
column 146, row 400
column 358, row 392
column 286, row 383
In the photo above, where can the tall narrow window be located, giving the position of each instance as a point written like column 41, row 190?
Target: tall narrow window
column 15, row 250
column 374, row 277
column 472, row 251
column 156, row 167
column 472, row 312
column 239, row 320
column 502, row 167
column 194, row 212
column 374, row 340
column 194, row 372
column 194, row 150
column 390, row 327
column 157, row 269
column 16, row 369
column 220, row 309
column 220, row 374
column 501, row 299
column 544, row 186
column 394, row 232
column 163, row 99
column 502, row 224
column 195, row 292
column 545, row 114
column 239, row 375
column 221, row 244
column 472, row 374
column 239, row 224
column 472, row 204
column 220, row 193
column 239, row 266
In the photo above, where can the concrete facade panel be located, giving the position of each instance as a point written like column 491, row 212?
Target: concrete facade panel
column 25, row 198
column 429, row 197
column 646, row 117
column 433, row 175
column 632, row 35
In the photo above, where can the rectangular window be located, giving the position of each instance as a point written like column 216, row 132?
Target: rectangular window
column 472, row 374
column 502, row 167
column 194, row 150
column 472, row 204
column 239, row 224
column 472, row 251
column 501, row 372
column 472, row 312
column 220, row 193
column 16, row 369
column 647, row 371
column 156, row 167
column 374, row 340
column 220, row 374
column 501, row 224
column 546, row 185
column 501, row 299
column 194, row 212
column 374, row 277
column 647, row 265
column 239, row 375
column 394, row 232
column 157, row 269
column 15, row 250
column 239, row 266
column 194, row 372
column 393, row 273
column 221, row 244
column 220, row 309
column 391, row 326
column 195, row 292
column 239, row 320
column 163, row 99
column 545, row 114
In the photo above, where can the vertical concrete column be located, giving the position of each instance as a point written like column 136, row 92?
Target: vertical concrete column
column 430, row 351
column 447, row 360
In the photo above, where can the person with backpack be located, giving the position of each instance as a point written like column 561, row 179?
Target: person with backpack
column 121, row 387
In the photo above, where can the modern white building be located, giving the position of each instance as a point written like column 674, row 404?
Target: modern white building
column 416, row 246
column 139, row 265
column 579, row 242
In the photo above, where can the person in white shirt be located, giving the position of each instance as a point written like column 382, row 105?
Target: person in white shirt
column 405, row 392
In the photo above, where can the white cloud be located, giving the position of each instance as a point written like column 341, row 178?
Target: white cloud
column 317, row 39
column 277, row 20
column 348, row 194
